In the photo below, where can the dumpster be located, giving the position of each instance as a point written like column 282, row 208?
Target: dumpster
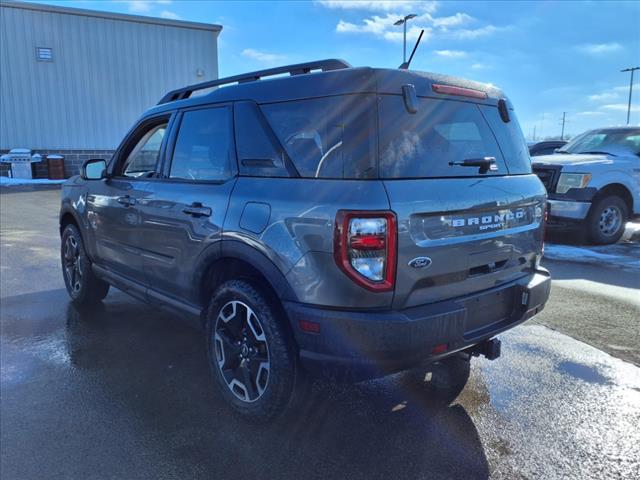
column 55, row 166
column 21, row 162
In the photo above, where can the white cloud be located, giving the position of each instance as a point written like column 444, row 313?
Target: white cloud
column 380, row 22
column 603, row 97
column 139, row 6
column 143, row 6
column 380, row 6
column 453, row 20
column 170, row 15
column 451, row 53
column 383, row 26
column 262, row 56
column 466, row 34
column 620, row 107
column 599, row 48
column 590, row 114
column 479, row 66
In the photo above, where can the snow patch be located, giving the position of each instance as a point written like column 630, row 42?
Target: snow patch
column 612, row 255
column 9, row 182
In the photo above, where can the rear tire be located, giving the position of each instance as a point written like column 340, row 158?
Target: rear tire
column 607, row 219
column 250, row 354
column 443, row 380
column 82, row 285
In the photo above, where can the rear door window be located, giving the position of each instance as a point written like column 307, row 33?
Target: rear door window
column 423, row 144
column 204, row 146
column 333, row 137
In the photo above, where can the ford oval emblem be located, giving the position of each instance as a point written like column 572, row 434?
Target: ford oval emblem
column 420, row 262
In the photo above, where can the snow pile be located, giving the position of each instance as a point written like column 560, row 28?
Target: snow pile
column 8, row 181
column 622, row 255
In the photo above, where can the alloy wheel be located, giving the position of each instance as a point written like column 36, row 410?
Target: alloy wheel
column 241, row 351
column 73, row 264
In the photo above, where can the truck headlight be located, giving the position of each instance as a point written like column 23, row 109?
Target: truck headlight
column 572, row 180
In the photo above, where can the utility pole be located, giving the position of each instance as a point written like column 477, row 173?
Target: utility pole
column 534, row 133
column 564, row 115
column 403, row 21
column 631, row 69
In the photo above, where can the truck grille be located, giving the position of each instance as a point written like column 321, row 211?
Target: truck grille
column 548, row 175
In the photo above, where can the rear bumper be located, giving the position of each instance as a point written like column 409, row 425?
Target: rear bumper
column 371, row 344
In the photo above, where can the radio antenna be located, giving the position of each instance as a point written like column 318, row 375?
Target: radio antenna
column 405, row 65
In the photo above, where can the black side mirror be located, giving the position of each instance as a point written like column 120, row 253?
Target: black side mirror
column 94, row 169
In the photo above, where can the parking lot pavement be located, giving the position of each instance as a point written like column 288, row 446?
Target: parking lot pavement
column 123, row 391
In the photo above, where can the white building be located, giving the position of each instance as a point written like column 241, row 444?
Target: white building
column 73, row 81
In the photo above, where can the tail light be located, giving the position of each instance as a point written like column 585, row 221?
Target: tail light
column 365, row 248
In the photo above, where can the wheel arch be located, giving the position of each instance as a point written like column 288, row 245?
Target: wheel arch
column 236, row 260
column 68, row 217
column 619, row 190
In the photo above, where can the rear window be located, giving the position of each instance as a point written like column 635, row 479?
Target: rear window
column 422, row 145
column 331, row 137
column 511, row 140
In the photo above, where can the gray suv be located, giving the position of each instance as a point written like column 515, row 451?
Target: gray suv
column 336, row 221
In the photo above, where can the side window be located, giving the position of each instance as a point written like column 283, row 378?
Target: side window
column 142, row 159
column 333, row 137
column 204, row 146
column 259, row 152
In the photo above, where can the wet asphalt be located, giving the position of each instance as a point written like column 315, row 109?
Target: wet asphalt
column 123, row 391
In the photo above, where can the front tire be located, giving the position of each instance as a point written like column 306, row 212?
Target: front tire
column 82, row 285
column 607, row 219
column 251, row 357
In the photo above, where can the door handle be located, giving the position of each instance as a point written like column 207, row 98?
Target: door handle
column 196, row 209
column 127, row 201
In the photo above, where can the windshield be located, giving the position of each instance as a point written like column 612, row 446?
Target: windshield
column 612, row 141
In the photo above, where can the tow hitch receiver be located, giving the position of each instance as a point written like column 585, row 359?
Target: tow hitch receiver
column 489, row 349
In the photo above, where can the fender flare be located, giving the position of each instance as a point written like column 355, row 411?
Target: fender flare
column 234, row 249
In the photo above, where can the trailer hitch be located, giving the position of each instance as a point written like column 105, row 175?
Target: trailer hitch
column 490, row 349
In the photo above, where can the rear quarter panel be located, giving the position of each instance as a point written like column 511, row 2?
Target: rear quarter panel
column 297, row 236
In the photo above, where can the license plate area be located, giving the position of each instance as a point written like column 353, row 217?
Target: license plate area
column 486, row 310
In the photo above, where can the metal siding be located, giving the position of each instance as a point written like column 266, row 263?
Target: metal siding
column 105, row 73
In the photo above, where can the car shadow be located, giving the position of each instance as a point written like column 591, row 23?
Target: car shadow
column 151, row 371
column 371, row 429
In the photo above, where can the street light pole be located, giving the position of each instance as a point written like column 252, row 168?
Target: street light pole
column 404, row 43
column 632, row 69
column 403, row 22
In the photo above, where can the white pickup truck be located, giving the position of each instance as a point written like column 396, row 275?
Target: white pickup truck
column 593, row 182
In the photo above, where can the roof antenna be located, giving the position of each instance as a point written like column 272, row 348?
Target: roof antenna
column 405, row 65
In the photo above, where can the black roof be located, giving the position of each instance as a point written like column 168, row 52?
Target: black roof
column 335, row 77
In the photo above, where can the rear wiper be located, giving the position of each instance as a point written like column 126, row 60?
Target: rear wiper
column 484, row 163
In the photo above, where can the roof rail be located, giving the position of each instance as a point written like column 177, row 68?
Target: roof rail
column 297, row 69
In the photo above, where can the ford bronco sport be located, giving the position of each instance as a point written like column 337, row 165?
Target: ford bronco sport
column 351, row 222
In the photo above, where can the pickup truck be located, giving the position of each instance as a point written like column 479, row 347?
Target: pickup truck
column 593, row 183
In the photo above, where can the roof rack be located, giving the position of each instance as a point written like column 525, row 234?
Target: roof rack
column 297, row 69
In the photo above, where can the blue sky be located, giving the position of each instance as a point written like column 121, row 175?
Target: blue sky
column 549, row 57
